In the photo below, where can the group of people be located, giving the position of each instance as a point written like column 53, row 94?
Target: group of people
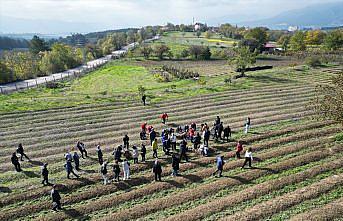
column 123, row 153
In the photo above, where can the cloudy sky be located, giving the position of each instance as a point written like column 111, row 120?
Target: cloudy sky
column 104, row 14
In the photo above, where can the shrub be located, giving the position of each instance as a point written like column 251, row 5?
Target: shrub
column 313, row 61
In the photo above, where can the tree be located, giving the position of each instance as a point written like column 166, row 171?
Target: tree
column 328, row 102
column 200, row 52
column 6, row 74
column 334, row 40
column 160, row 50
column 260, row 35
column 146, row 50
column 198, row 34
column 37, row 45
column 243, row 59
column 251, row 43
column 206, row 53
column 315, row 37
column 297, row 41
column 284, row 41
column 184, row 53
column 208, row 34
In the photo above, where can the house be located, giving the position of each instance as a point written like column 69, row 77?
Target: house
column 270, row 47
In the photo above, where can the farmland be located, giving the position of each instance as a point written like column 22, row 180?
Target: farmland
column 297, row 170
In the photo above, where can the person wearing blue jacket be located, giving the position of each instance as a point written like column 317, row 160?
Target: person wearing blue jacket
column 220, row 165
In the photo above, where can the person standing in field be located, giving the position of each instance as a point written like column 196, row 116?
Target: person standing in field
column 126, row 140
column 152, row 135
column 69, row 169
column 220, row 130
column 206, row 136
column 217, row 121
column 135, row 154
column 164, row 117
column 117, row 153
column 154, row 148
column 116, row 171
column 227, row 133
column 45, row 174
column 143, row 152
column 239, row 149
column 197, row 141
column 56, row 198
column 143, row 99
column 76, row 159
column 100, row 155
column 104, row 172
column 248, row 158
column 20, row 150
column 126, row 169
column 247, row 125
column 175, row 165
column 82, row 148
column 157, row 170
column 183, row 150
column 220, row 165
column 15, row 162
column 173, row 141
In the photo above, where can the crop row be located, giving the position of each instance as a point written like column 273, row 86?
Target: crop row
column 60, row 144
column 253, row 192
column 125, row 124
column 208, row 189
column 277, row 204
column 97, row 117
column 40, row 116
column 297, row 137
column 138, row 181
column 283, row 140
column 331, row 211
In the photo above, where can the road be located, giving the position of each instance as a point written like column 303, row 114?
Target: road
column 91, row 65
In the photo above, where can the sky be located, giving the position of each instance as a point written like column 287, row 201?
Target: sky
column 114, row 14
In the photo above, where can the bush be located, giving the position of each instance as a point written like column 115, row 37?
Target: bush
column 313, row 61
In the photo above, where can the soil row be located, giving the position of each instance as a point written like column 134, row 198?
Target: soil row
column 270, row 207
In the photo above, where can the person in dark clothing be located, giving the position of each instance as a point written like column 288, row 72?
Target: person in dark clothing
column 220, row 130
column 117, row 153
column 183, row 150
column 207, row 134
column 157, row 170
column 194, row 126
column 56, row 198
column 143, row 152
column 217, row 122
column 143, row 99
column 197, row 141
column 227, row 133
column 100, row 155
column 69, row 169
column 20, row 150
column 152, row 136
column 126, row 140
column 82, row 148
column 220, row 164
column 76, row 159
column 45, row 174
column 15, row 162
column 175, row 164
column 104, row 172
column 116, row 171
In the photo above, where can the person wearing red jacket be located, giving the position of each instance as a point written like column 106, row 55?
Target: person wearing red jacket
column 164, row 117
column 239, row 149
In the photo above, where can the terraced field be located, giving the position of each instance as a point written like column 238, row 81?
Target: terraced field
column 297, row 172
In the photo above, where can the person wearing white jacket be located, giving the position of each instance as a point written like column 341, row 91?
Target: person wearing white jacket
column 248, row 158
column 135, row 154
column 126, row 169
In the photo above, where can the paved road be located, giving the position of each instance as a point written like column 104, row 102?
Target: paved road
column 20, row 85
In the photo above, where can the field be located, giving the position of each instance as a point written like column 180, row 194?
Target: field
column 298, row 163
